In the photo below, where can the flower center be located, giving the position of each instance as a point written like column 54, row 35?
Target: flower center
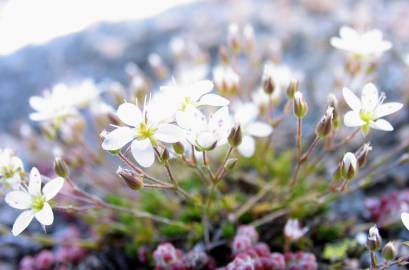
column 367, row 116
column 185, row 103
column 145, row 132
column 38, row 203
column 6, row 172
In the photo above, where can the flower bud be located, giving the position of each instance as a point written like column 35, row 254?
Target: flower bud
column 300, row 105
column 230, row 164
column 133, row 180
column 292, row 88
column 235, row 136
column 338, row 172
column 404, row 159
column 113, row 119
column 179, row 148
column 268, row 80
column 374, row 240
column 349, row 166
column 333, row 102
column 165, row 155
column 60, row 167
column 389, row 251
column 226, row 80
column 233, row 38
column 362, row 154
column 324, row 126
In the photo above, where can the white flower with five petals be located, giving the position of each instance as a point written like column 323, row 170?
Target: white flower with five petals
column 369, row 44
column 11, row 168
column 195, row 94
column 34, row 201
column 202, row 132
column 245, row 115
column 144, row 129
column 368, row 111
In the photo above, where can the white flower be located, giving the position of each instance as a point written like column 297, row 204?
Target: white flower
column 53, row 106
column 84, row 93
column 368, row 111
column 205, row 133
column 368, row 45
column 195, row 94
column 245, row 115
column 293, row 230
column 405, row 219
column 145, row 128
column 10, row 168
column 34, row 201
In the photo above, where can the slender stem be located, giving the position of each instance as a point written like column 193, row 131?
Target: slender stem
column 130, row 164
column 193, row 155
column 205, row 161
column 306, row 156
column 220, row 170
column 176, row 186
column 373, row 261
column 299, row 138
column 345, row 141
column 205, row 219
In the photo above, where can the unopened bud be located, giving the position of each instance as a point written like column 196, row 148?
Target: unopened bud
column 133, row 180
column 300, row 105
column 292, row 88
column 233, row 38
column 235, row 136
column 374, row 240
column 224, row 56
column 338, row 172
column 324, row 126
column 389, row 251
column 349, row 166
column 179, row 148
column 230, row 164
column 113, row 119
column 268, row 80
column 362, row 154
column 165, row 155
column 333, row 102
column 60, row 167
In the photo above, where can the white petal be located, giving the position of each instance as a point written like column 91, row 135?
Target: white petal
column 381, row 124
column 213, row 100
column 369, row 97
column 387, row 108
column 22, row 221
column 247, row 146
column 191, row 118
column 259, row 129
column 220, row 120
column 351, row 99
column 245, row 113
column 34, row 185
column 347, row 32
column 45, row 216
column 130, row 114
column 117, row 138
column 37, row 103
column 405, row 219
column 353, row 119
column 200, row 88
column 169, row 133
column 143, row 153
column 52, row 188
column 18, row 199
column 206, row 139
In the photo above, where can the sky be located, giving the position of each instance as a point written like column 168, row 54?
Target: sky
column 26, row 22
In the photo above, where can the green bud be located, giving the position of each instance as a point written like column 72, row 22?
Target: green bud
column 389, row 251
column 133, row 180
column 374, row 240
column 324, row 126
column 300, row 105
column 349, row 166
column 362, row 154
column 292, row 88
column 230, row 164
column 179, row 148
column 235, row 136
column 165, row 155
column 60, row 167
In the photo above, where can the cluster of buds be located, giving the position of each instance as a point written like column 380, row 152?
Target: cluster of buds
column 226, row 80
column 351, row 162
column 167, row 257
column 300, row 105
column 374, row 244
column 238, row 39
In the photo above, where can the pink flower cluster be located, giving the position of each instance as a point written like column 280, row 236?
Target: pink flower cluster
column 59, row 259
column 387, row 208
